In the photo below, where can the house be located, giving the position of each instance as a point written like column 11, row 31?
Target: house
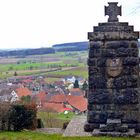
column 59, row 83
column 78, row 103
column 8, row 95
column 80, row 80
column 23, row 91
column 59, row 98
column 56, row 107
column 40, row 98
column 76, row 92
column 70, row 79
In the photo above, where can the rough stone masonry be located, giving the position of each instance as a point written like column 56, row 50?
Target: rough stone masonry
column 113, row 67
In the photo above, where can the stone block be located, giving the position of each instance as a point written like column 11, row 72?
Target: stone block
column 128, row 96
column 96, row 71
column 134, row 44
column 113, row 53
column 92, row 62
column 119, row 83
column 109, row 36
column 129, row 70
column 100, row 97
column 98, row 62
column 125, row 82
column 137, row 128
column 97, row 82
column 89, row 127
column 96, row 117
column 101, row 62
column 131, row 61
column 108, row 53
column 130, row 117
column 130, row 133
column 107, row 128
column 113, row 24
column 126, row 52
column 115, row 114
column 113, row 121
column 113, row 28
column 117, row 44
column 127, row 107
column 103, row 107
column 123, row 128
column 96, row 45
column 132, row 125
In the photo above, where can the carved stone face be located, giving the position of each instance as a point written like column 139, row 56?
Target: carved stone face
column 114, row 67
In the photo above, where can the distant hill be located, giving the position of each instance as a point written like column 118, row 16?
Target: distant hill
column 26, row 52
column 74, row 46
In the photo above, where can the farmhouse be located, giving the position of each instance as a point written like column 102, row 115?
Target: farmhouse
column 40, row 98
column 77, row 104
column 56, row 107
column 8, row 95
column 23, row 91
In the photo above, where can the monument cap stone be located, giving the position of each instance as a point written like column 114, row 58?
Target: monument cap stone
column 113, row 11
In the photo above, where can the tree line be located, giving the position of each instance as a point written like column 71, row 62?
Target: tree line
column 26, row 52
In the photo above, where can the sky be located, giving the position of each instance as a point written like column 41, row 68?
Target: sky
column 42, row 23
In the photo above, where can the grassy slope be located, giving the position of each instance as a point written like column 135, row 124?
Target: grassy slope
column 40, row 136
column 50, row 119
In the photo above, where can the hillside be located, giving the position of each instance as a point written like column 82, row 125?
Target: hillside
column 26, row 52
column 74, row 46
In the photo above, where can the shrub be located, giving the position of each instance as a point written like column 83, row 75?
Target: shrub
column 23, row 117
column 5, row 108
column 18, row 116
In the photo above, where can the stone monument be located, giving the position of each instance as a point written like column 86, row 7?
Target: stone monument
column 113, row 67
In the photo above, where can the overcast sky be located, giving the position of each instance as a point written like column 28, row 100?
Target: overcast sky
column 42, row 23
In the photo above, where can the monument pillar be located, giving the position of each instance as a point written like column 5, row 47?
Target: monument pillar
column 113, row 68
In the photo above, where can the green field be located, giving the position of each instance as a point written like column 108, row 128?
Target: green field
column 79, row 71
column 28, row 135
column 42, row 64
column 31, row 66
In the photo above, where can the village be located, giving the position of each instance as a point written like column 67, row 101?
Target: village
column 67, row 94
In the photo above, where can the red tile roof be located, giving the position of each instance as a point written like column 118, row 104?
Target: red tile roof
column 41, row 96
column 23, row 91
column 77, row 102
column 57, row 107
column 59, row 98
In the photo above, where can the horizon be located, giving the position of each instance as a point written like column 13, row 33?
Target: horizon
column 40, row 23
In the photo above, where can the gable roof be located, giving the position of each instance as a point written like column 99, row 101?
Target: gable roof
column 78, row 102
column 41, row 96
column 76, row 92
column 57, row 107
column 23, row 91
column 5, row 92
column 59, row 98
